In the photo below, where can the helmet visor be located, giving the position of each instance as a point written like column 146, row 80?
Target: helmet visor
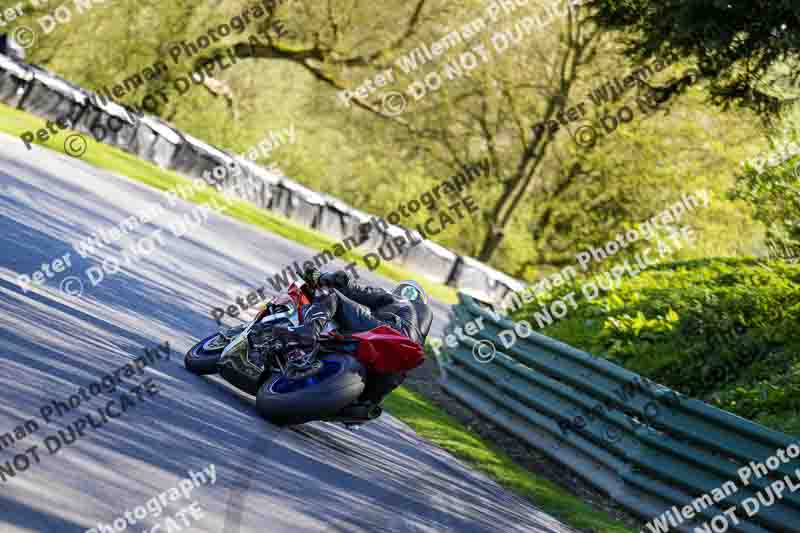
column 411, row 291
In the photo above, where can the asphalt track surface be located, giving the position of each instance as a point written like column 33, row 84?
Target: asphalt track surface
column 317, row 477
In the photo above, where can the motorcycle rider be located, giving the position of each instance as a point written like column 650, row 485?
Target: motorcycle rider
column 355, row 309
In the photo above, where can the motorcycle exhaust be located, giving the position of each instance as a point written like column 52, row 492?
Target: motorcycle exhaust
column 374, row 412
column 357, row 413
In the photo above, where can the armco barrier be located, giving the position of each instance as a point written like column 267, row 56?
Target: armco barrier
column 52, row 98
column 157, row 142
column 335, row 219
column 480, row 279
column 197, row 158
column 38, row 91
column 108, row 121
column 648, row 447
column 300, row 204
column 15, row 79
column 436, row 261
column 263, row 195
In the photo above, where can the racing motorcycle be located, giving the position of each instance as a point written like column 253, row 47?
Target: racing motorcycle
column 295, row 385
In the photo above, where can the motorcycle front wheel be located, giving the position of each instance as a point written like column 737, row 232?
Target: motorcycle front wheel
column 202, row 358
column 285, row 401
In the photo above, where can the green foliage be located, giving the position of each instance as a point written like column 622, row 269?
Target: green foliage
column 377, row 164
column 723, row 330
column 739, row 46
column 635, row 172
column 771, row 185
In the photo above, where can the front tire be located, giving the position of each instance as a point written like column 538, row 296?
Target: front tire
column 202, row 358
column 291, row 402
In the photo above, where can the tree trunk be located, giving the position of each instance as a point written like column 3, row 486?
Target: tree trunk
column 490, row 244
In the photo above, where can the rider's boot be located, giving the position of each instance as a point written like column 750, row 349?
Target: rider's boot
column 315, row 317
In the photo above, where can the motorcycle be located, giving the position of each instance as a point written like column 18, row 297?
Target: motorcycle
column 293, row 385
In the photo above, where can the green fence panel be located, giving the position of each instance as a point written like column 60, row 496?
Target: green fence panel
column 666, row 450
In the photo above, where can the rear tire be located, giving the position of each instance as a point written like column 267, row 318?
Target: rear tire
column 291, row 402
column 201, row 361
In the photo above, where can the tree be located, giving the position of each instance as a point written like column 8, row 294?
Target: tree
column 493, row 108
column 500, row 109
column 337, row 36
column 742, row 48
column 543, row 199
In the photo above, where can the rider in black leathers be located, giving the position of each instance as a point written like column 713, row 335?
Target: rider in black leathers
column 356, row 308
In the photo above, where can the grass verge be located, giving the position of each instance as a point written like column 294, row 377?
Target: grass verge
column 436, row 426
column 15, row 122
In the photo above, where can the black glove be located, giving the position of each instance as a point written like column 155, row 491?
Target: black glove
column 312, row 277
column 337, row 280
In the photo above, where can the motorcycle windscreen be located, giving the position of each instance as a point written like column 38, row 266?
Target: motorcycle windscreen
column 384, row 349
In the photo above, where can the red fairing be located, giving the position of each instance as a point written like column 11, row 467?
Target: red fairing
column 299, row 297
column 384, row 349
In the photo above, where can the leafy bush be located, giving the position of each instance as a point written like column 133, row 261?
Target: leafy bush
column 723, row 330
column 771, row 185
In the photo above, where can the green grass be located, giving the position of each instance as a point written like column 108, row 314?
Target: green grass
column 438, row 427
column 15, row 122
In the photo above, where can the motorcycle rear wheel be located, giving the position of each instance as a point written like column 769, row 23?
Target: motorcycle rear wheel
column 288, row 402
column 202, row 358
